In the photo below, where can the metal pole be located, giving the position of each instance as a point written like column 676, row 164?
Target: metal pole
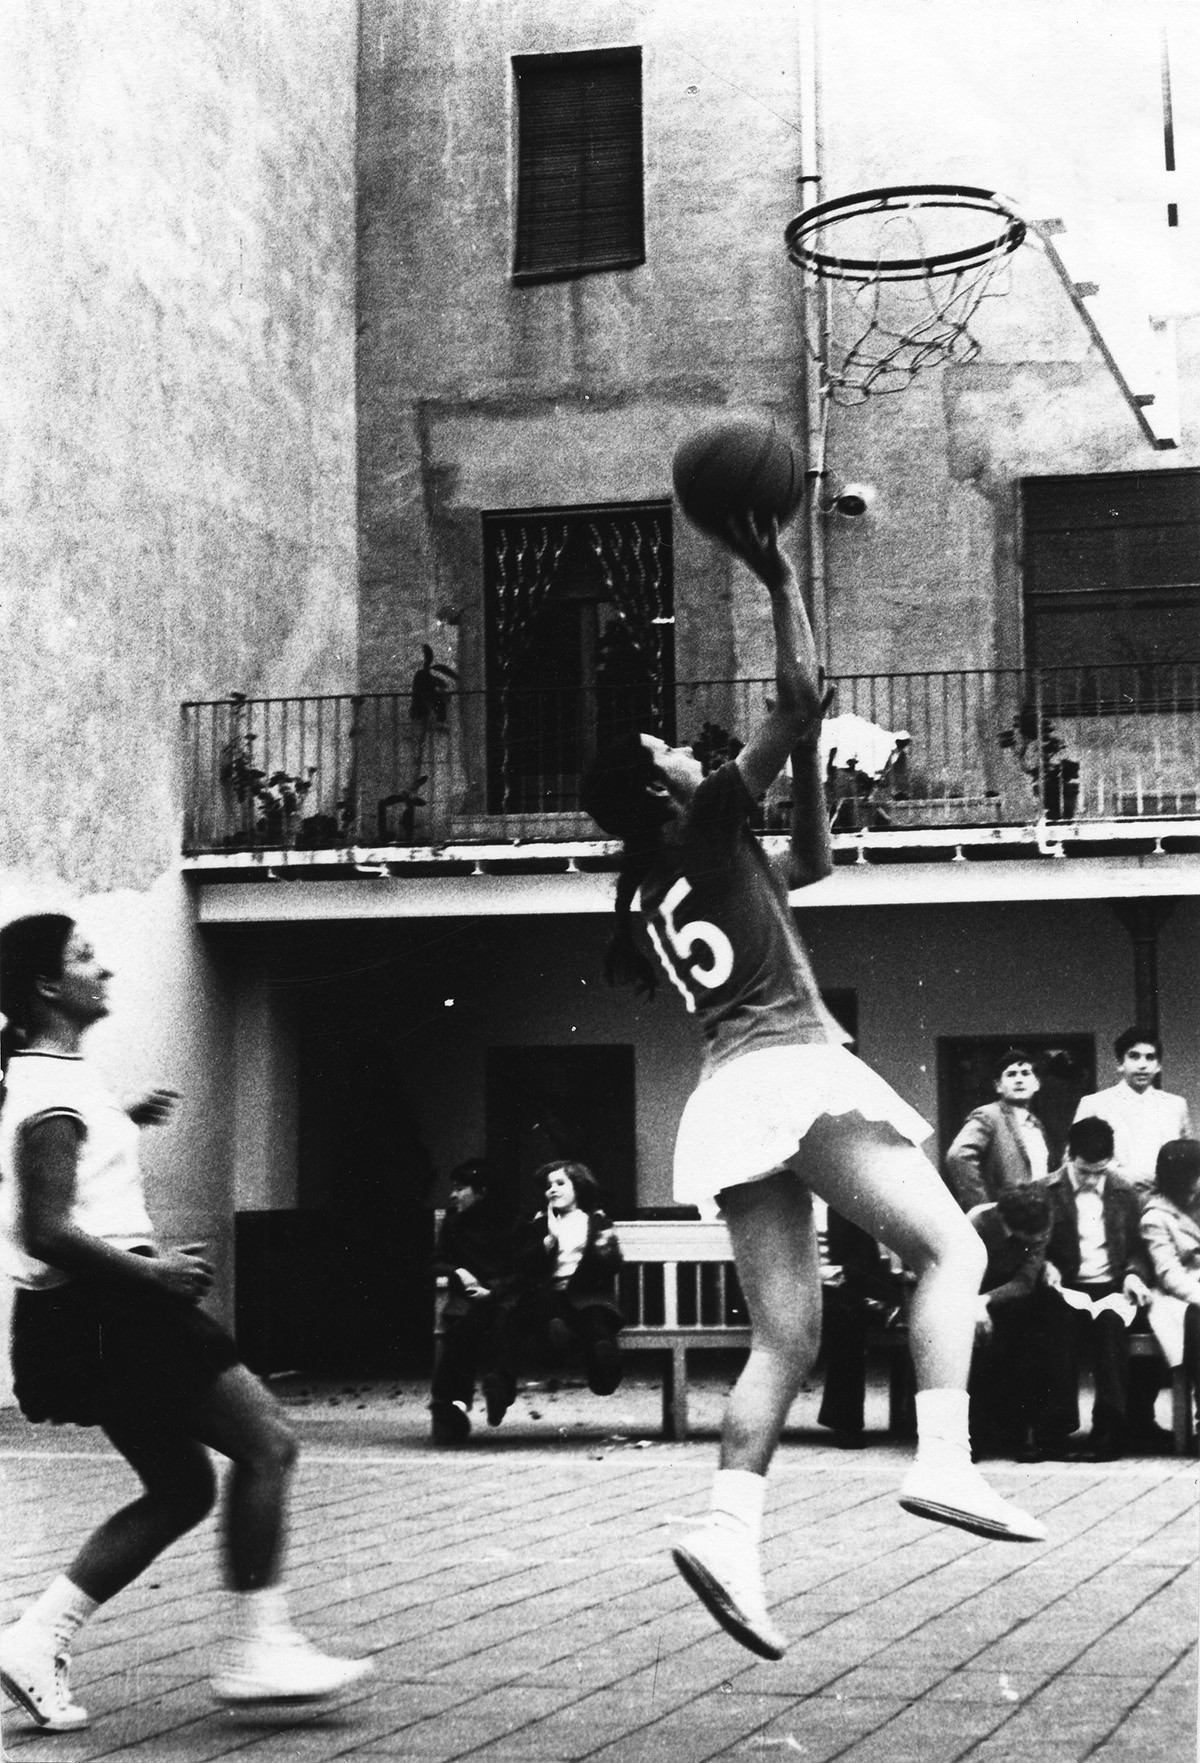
column 813, row 405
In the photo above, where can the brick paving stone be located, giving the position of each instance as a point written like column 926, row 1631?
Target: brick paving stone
column 520, row 1605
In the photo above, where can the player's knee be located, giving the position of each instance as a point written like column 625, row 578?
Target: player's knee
column 275, row 1451
column 973, row 1253
column 956, row 1246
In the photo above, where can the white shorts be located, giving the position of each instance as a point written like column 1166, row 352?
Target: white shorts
column 747, row 1119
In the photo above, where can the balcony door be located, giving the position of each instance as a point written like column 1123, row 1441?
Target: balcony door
column 580, row 644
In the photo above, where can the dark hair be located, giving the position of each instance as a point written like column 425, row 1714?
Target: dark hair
column 30, row 949
column 475, row 1173
column 1025, row 1209
column 587, row 1188
column 1090, row 1139
column 1177, row 1168
column 616, row 793
column 1136, row 1037
column 1010, row 1056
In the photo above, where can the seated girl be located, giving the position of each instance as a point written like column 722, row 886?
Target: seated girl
column 1171, row 1232
column 567, row 1266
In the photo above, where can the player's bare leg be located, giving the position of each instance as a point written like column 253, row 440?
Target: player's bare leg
column 774, row 1243
column 881, row 1182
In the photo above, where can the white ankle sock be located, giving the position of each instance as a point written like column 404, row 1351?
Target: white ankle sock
column 62, row 1609
column 737, row 1502
column 942, row 1426
column 256, row 1614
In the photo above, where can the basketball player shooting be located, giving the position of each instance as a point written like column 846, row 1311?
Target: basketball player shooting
column 783, row 1111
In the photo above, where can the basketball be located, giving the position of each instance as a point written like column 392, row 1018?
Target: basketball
column 734, row 466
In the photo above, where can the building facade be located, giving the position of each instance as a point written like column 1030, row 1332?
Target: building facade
column 479, row 273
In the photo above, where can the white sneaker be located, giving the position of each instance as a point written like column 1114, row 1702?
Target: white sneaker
column 35, row 1674
column 281, row 1666
column 724, row 1574
column 958, row 1494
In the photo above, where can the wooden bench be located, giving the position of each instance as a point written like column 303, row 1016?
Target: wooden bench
column 680, row 1295
column 1183, row 1432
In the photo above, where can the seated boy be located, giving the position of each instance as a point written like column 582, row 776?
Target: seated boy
column 474, row 1253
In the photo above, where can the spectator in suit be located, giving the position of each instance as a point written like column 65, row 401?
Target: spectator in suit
column 1171, row 1229
column 1104, row 1271
column 1018, row 1331
column 1143, row 1117
column 1003, row 1144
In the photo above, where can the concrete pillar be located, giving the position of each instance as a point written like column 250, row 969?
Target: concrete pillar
column 1143, row 919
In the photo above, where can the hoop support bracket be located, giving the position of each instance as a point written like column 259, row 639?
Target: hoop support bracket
column 1077, row 293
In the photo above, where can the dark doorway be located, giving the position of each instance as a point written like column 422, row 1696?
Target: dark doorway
column 340, row 1285
column 1066, row 1065
column 577, row 1102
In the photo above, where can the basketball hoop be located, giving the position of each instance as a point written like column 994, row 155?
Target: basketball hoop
column 904, row 270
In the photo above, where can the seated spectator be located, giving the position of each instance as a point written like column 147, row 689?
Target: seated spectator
column 1171, row 1228
column 1104, row 1273
column 1003, row 1144
column 474, row 1253
column 1018, row 1331
column 865, row 1293
column 566, row 1267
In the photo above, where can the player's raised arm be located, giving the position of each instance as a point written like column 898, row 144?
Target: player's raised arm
column 792, row 729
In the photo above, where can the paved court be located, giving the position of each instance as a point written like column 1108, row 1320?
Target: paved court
column 520, row 1604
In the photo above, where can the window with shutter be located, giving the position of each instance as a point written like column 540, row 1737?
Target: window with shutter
column 579, row 164
column 1112, row 586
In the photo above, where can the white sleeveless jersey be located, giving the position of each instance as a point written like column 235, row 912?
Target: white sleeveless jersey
column 108, row 1185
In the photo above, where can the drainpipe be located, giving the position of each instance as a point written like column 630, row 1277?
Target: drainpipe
column 814, row 302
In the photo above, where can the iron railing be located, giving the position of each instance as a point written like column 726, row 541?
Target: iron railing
column 971, row 748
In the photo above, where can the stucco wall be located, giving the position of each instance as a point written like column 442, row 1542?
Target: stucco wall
column 176, row 399
column 176, row 478
column 476, row 393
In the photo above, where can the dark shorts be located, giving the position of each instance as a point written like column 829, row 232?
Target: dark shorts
column 89, row 1353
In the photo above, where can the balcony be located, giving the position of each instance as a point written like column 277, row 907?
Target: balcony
column 917, row 761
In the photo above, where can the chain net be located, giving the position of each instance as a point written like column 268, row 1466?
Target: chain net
column 875, row 328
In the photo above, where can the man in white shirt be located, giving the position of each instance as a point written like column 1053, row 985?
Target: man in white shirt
column 1142, row 1117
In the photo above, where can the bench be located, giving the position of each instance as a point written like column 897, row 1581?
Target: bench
column 1183, row 1432
column 680, row 1295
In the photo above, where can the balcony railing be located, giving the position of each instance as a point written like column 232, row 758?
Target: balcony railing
column 949, row 750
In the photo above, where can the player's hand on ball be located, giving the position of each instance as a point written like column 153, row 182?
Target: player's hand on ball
column 756, row 542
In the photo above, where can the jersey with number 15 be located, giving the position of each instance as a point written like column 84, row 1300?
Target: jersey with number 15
column 718, row 917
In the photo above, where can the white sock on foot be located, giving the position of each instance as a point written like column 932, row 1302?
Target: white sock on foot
column 943, row 1433
column 258, row 1613
column 62, row 1609
column 737, row 1502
